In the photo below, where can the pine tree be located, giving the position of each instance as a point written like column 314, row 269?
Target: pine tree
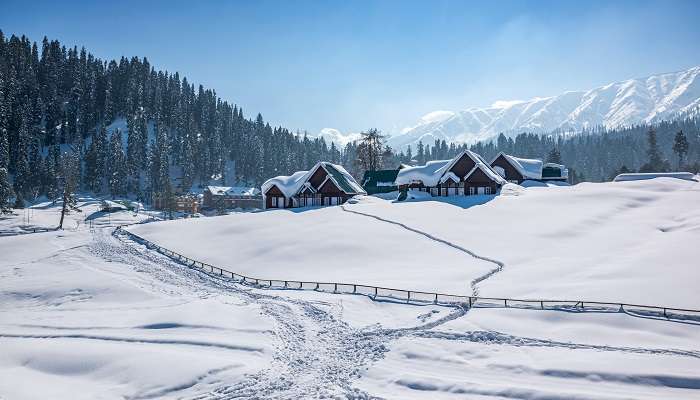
column 22, row 171
column 680, row 147
column 655, row 161
column 6, row 191
column 554, row 156
column 117, row 173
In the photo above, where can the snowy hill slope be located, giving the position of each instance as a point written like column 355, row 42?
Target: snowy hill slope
column 88, row 315
column 556, row 242
column 644, row 100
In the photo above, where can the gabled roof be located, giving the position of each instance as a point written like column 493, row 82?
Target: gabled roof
column 343, row 179
column 449, row 175
column 529, row 168
column 486, row 169
column 293, row 184
column 424, row 173
column 435, row 172
column 288, row 185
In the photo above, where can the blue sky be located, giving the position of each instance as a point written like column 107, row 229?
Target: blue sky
column 353, row 65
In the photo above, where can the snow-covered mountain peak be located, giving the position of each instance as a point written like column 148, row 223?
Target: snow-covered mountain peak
column 633, row 101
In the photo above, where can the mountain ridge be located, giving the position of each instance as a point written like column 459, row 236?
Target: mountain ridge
column 614, row 105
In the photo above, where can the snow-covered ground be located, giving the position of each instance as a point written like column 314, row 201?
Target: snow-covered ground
column 86, row 314
column 46, row 215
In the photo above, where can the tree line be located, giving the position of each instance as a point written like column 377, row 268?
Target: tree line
column 596, row 155
column 57, row 103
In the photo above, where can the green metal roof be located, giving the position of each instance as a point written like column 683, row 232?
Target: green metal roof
column 340, row 179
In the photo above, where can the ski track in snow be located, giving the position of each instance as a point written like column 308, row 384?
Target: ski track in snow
column 317, row 355
column 475, row 282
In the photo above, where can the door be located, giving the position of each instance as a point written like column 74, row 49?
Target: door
column 482, row 190
column 334, row 201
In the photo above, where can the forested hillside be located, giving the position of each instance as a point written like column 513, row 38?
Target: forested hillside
column 55, row 102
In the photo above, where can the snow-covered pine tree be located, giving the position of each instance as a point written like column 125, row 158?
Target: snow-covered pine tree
column 116, row 166
column 6, row 191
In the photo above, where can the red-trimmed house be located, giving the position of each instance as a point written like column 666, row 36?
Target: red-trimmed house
column 465, row 174
column 325, row 184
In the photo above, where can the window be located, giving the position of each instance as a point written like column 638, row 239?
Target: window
column 444, row 191
column 460, row 191
column 472, row 190
column 488, row 190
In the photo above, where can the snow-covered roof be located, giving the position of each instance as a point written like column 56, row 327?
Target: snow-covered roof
column 424, row 173
column 292, row 184
column 234, row 190
column 449, row 175
column 495, row 176
column 435, row 172
column 651, row 175
column 288, row 185
column 528, row 167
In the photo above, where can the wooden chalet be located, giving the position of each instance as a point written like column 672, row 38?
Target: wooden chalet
column 466, row 174
column 517, row 170
column 325, row 184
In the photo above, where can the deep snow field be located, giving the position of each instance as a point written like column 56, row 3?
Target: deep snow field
column 87, row 314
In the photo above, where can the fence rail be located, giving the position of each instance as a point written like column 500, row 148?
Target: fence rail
column 27, row 231
column 419, row 297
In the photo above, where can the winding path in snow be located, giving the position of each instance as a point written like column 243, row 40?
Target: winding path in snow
column 474, row 283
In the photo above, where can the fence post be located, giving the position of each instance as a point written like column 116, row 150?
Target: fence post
column 666, row 316
column 470, row 301
column 270, row 282
column 375, row 292
column 437, row 299
column 354, row 288
column 505, row 302
column 408, row 300
column 335, row 287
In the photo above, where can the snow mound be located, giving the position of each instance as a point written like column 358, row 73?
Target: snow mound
column 643, row 176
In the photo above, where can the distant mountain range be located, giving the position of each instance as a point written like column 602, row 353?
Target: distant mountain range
column 634, row 101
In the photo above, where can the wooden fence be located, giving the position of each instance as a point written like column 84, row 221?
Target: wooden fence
column 379, row 293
